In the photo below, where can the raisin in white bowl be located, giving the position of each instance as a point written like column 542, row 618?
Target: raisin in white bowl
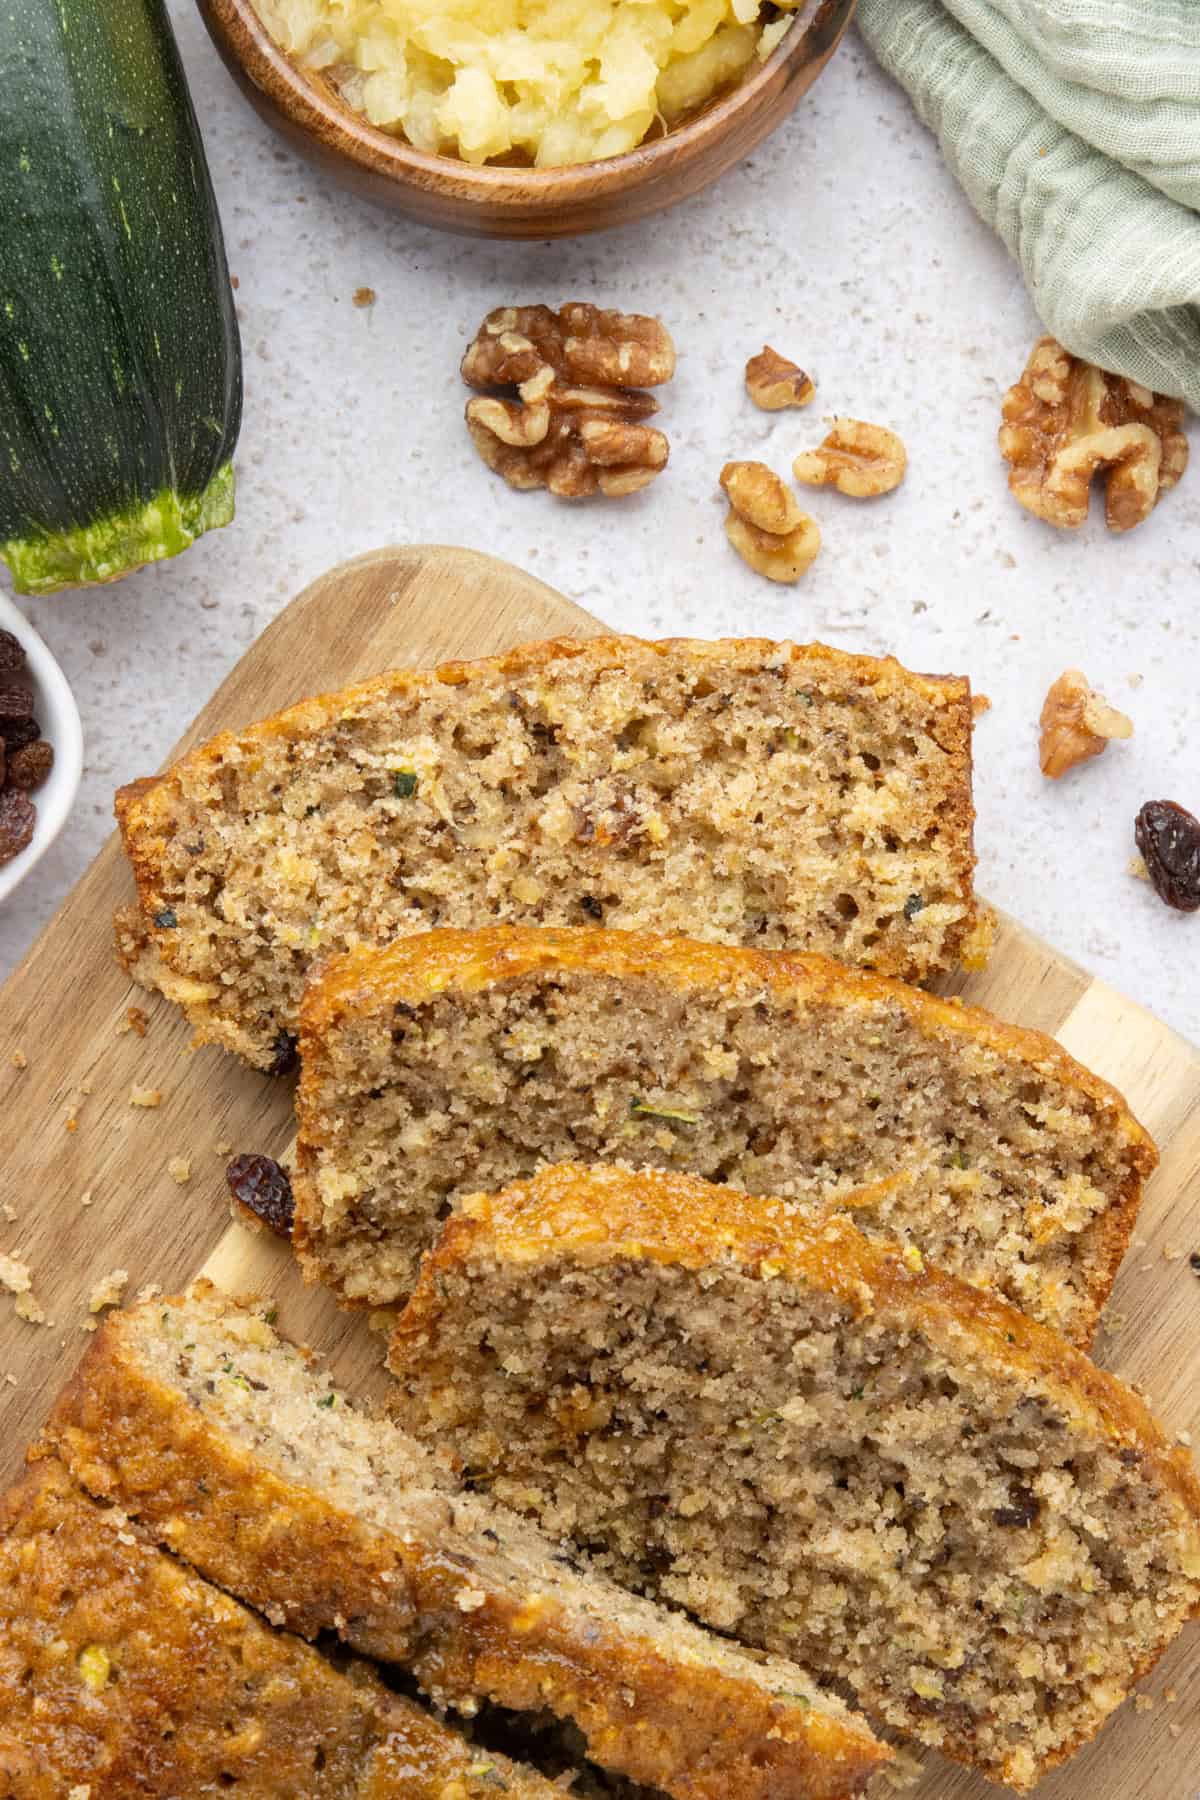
column 56, row 712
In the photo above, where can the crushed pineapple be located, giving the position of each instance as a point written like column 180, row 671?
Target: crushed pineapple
column 95, row 1666
column 549, row 81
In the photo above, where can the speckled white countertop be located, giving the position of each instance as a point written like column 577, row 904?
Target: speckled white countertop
column 844, row 242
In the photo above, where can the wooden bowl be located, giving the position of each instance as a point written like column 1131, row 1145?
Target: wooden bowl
column 511, row 202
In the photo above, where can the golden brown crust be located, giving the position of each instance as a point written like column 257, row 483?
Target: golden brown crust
column 413, row 970
column 421, row 1759
column 119, row 1671
column 123, row 1673
column 143, row 808
column 694, row 1730
column 611, row 1214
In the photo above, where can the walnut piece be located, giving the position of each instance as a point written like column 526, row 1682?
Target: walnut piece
column 856, row 458
column 773, row 382
column 562, row 405
column 1065, row 420
column 764, row 523
column 1077, row 724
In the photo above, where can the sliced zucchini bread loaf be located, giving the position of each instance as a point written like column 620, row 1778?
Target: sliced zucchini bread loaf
column 123, row 1674
column 223, row 1442
column 462, row 1060
column 815, row 1444
column 743, row 790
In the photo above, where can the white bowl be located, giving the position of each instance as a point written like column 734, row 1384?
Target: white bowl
column 56, row 712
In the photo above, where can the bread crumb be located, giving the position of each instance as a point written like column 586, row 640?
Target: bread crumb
column 85, row 1199
column 11, row 1378
column 1173, row 1253
column 72, row 1121
column 20, row 1060
column 179, row 1168
column 107, row 1292
column 469, row 1600
column 1175, row 1729
column 1137, row 866
column 145, row 1096
column 86, row 1086
column 1184, row 1438
column 135, row 1020
column 1171, row 1696
column 223, row 1148
column 1143, row 1703
column 151, row 1291
column 1135, row 681
column 15, row 1276
column 980, row 704
column 899, row 1776
column 10, row 1212
column 364, row 296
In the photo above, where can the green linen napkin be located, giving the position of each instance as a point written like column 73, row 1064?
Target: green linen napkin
column 1074, row 127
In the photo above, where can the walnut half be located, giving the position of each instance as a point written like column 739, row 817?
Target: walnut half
column 1077, row 724
column 856, row 458
column 562, row 403
column 774, row 383
column 764, row 523
column 1065, row 420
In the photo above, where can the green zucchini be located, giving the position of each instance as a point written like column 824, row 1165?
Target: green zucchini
column 120, row 367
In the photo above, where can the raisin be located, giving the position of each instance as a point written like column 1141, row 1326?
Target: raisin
column 1023, row 1511
column 16, row 701
column 19, row 732
column 591, row 906
column 284, row 1054
column 1168, row 837
column 166, row 918
column 12, row 656
column 263, row 1191
column 913, row 905
column 18, row 817
column 29, row 765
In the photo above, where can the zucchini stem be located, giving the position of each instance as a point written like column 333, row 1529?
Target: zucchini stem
column 148, row 532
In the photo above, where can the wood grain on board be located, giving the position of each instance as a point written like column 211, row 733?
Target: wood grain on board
column 86, row 1174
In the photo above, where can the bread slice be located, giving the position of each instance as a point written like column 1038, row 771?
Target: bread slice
column 815, row 1444
column 742, row 790
column 467, row 1059
column 224, row 1443
column 123, row 1674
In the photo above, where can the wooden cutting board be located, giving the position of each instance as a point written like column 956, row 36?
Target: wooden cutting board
column 87, row 1179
